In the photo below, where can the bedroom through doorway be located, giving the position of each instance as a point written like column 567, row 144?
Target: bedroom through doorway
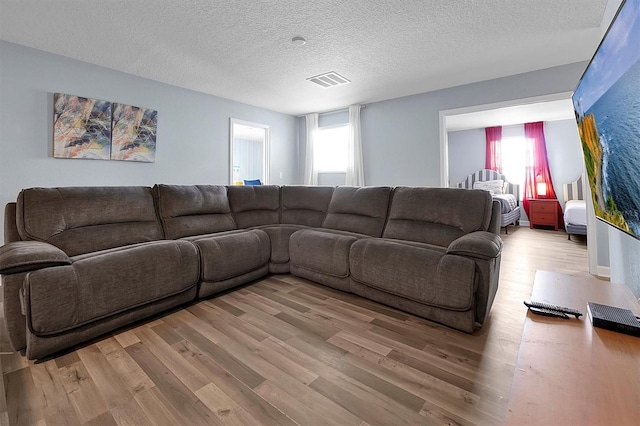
column 465, row 126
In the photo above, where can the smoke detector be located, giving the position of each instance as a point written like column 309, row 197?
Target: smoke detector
column 329, row 79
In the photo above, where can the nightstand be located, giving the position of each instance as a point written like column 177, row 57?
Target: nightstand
column 543, row 212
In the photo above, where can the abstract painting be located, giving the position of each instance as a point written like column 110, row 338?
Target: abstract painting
column 81, row 127
column 133, row 133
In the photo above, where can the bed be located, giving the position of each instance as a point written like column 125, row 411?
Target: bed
column 575, row 208
column 507, row 193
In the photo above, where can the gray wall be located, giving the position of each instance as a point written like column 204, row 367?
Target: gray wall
column 401, row 137
column 564, row 152
column 625, row 259
column 466, row 154
column 192, row 137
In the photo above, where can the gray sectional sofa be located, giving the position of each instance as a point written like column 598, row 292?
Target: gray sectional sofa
column 79, row 262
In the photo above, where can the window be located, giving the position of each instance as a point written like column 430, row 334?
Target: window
column 514, row 155
column 330, row 149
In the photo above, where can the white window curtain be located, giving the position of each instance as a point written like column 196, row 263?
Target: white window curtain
column 355, row 165
column 310, row 171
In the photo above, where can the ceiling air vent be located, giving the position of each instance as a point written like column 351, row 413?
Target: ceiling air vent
column 329, row 79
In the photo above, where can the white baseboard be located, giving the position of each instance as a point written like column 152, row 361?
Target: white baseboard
column 604, row 271
column 524, row 223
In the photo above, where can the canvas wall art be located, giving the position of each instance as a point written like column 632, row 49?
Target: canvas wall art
column 133, row 133
column 81, row 127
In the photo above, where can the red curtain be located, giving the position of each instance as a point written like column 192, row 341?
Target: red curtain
column 537, row 166
column 493, row 159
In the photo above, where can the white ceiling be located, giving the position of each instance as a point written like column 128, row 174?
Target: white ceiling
column 242, row 50
column 561, row 109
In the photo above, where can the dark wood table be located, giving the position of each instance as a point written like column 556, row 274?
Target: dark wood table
column 569, row 372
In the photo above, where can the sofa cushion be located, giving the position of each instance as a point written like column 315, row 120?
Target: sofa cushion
column 358, row 209
column 437, row 215
column 321, row 251
column 86, row 219
column 102, row 284
column 10, row 228
column 255, row 205
column 421, row 274
column 279, row 236
column 305, row 205
column 187, row 210
column 232, row 254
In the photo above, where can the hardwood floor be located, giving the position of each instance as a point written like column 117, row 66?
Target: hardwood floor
column 288, row 351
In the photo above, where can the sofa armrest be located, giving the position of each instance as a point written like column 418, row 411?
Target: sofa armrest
column 24, row 256
column 494, row 225
column 479, row 244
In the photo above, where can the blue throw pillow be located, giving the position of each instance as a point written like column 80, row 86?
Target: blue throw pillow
column 253, row 182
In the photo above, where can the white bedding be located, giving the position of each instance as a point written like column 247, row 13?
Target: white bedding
column 575, row 212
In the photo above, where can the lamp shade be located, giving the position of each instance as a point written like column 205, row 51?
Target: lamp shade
column 541, row 186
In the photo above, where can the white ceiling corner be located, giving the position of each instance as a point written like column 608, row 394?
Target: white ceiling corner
column 242, row 49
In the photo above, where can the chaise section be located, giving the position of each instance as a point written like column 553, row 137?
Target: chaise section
column 436, row 259
column 201, row 214
column 417, row 278
column 64, row 305
column 114, row 230
column 322, row 255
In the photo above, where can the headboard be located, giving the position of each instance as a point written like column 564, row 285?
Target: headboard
column 574, row 190
column 486, row 174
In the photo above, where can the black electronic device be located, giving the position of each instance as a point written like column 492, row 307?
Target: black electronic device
column 615, row 319
column 548, row 312
column 555, row 308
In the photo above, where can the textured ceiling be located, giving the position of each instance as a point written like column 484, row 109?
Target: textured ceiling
column 242, row 50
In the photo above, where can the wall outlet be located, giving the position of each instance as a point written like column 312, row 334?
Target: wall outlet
column 281, row 175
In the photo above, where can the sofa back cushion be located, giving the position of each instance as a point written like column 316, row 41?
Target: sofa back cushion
column 437, row 215
column 255, row 205
column 358, row 209
column 10, row 227
column 187, row 210
column 86, row 219
column 305, row 205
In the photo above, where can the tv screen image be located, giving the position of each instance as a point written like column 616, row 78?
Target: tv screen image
column 607, row 107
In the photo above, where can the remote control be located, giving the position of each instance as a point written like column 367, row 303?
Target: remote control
column 563, row 309
column 548, row 312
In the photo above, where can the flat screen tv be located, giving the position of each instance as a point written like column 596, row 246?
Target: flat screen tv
column 607, row 107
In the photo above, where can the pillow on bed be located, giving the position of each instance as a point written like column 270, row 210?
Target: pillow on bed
column 495, row 187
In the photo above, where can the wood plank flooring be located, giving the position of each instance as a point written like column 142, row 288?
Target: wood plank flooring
column 288, row 351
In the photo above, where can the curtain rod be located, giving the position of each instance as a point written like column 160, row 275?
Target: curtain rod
column 333, row 110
